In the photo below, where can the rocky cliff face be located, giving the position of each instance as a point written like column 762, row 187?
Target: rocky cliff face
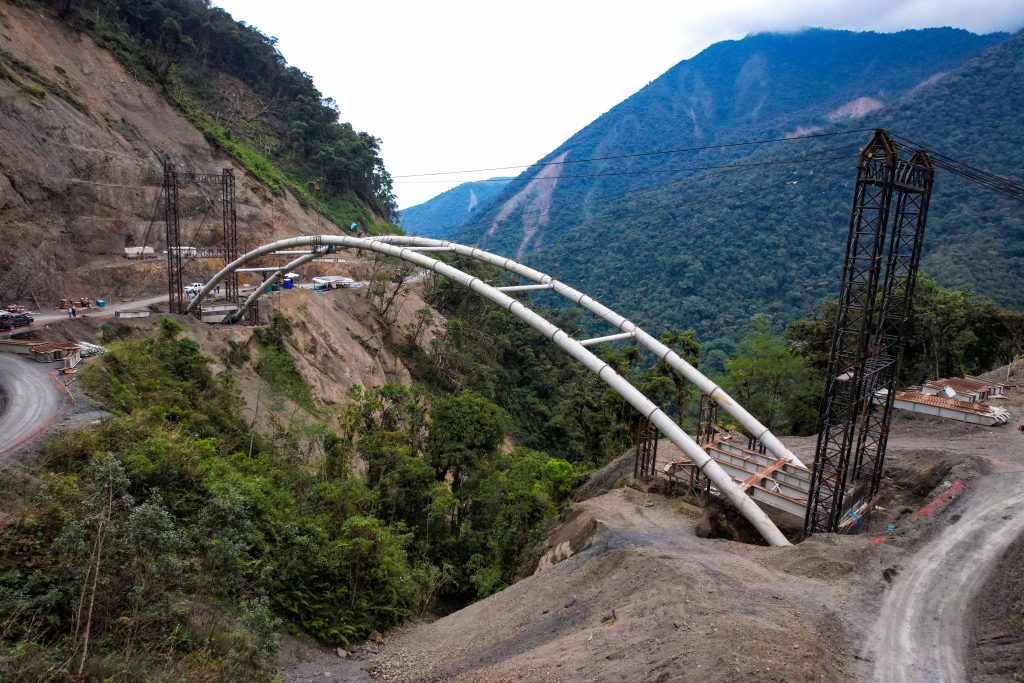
column 81, row 149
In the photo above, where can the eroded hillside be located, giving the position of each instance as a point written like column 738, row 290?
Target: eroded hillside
column 82, row 143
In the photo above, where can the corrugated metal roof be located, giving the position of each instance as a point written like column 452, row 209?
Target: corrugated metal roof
column 962, row 385
column 941, row 402
column 55, row 346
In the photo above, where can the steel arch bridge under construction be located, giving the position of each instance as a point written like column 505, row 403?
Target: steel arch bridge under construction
column 782, row 464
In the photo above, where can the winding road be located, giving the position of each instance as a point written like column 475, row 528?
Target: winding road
column 30, row 400
column 922, row 630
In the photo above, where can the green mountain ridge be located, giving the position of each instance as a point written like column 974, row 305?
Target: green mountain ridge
column 763, row 86
column 772, row 241
column 443, row 214
column 676, row 240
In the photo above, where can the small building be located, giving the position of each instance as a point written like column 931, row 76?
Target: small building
column 44, row 352
column 22, row 346
column 54, row 351
column 966, row 389
column 332, row 282
column 139, row 252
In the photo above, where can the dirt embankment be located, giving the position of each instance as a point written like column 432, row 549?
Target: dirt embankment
column 645, row 599
column 81, row 172
column 336, row 341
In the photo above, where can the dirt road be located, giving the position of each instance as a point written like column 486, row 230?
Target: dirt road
column 29, row 401
column 105, row 312
column 921, row 630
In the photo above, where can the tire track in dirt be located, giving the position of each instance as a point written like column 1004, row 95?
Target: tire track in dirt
column 921, row 630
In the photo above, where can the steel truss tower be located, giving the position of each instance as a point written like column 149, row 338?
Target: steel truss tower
column 175, row 287
column 867, row 347
column 230, row 232
column 172, row 180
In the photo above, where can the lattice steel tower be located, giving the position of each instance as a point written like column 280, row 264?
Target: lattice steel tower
column 867, row 346
column 175, row 287
column 172, row 180
column 230, row 232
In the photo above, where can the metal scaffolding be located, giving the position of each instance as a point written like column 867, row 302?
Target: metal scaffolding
column 707, row 420
column 230, row 232
column 646, row 453
column 867, row 346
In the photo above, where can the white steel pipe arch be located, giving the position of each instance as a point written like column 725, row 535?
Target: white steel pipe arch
column 711, row 469
column 652, row 344
column 269, row 282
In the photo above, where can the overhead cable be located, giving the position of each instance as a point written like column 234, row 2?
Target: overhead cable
column 680, row 150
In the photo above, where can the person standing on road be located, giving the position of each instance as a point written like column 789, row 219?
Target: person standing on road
column 71, row 311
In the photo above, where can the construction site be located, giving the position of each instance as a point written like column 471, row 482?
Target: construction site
column 886, row 547
column 906, row 495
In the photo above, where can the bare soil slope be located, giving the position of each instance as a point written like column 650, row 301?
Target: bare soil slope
column 647, row 600
column 81, row 171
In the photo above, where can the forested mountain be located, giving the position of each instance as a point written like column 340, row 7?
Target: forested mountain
column 441, row 216
column 96, row 96
column 763, row 86
column 708, row 238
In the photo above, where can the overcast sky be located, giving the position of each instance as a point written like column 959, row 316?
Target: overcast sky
column 460, row 84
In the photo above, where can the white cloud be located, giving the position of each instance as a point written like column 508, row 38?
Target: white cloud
column 454, row 84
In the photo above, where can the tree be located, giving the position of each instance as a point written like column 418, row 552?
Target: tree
column 464, row 430
column 950, row 332
column 767, row 379
column 664, row 384
column 943, row 327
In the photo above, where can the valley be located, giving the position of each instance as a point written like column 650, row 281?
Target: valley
column 664, row 406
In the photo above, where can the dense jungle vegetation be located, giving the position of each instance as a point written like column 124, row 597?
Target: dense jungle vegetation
column 234, row 85
column 172, row 540
column 952, row 332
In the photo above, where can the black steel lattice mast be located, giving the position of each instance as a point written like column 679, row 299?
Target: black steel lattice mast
column 230, row 232
column 844, row 386
column 913, row 184
column 226, row 180
column 175, row 287
column 867, row 348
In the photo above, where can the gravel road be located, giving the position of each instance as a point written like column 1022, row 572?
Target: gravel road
column 107, row 311
column 29, row 401
column 922, row 627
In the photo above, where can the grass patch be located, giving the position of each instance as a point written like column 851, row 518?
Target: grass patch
column 276, row 366
column 27, row 88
